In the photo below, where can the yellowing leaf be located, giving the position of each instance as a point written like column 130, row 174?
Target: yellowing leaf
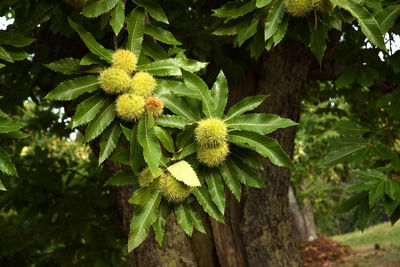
column 183, row 172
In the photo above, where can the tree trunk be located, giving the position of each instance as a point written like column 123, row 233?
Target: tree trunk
column 266, row 226
column 303, row 220
column 297, row 216
column 259, row 230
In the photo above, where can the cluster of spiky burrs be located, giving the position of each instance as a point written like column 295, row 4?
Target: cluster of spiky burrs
column 136, row 92
column 300, row 8
column 212, row 148
column 172, row 190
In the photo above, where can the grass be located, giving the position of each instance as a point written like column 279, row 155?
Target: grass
column 378, row 246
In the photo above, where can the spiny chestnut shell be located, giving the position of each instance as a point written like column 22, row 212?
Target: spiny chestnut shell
column 124, row 60
column 146, row 177
column 114, row 81
column 130, row 107
column 155, row 106
column 173, row 190
column 143, row 84
column 299, row 8
column 212, row 156
column 211, row 132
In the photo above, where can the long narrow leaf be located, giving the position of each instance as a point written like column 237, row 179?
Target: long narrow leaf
column 73, row 88
column 135, row 26
column 143, row 217
column 90, row 42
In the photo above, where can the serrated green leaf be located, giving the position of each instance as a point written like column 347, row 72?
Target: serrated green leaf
column 172, row 66
column 173, row 121
column 347, row 78
column 247, row 156
column 204, row 199
column 376, row 193
column 94, row 8
column 182, row 213
column 154, row 9
column 185, row 137
column 177, row 88
column 15, row 134
column 371, row 174
column 185, row 151
column 231, row 27
column 90, row 42
column 90, row 59
column 143, row 217
column 362, row 212
column 8, row 125
column 395, row 215
column 135, row 26
column 369, row 25
column 160, row 226
column 216, row 188
column 274, row 18
column 148, row 141
column 318, row 44
column 177, row 106
column 5, row 55
column 165, row 139
column 196, row 219
column 182, row 171
column 17, row 53
column 100, row 123
column 350, row 127
column 2, row 186
column 395, row 161
column 262, row 3
column 109, row 142
column 390, row 206
column 249, row 29
column 195, row 83
column 14, row 39
column 161, row 35
column 143, row 194
column 88, row 109
column 235, row 9
column 66, row 66
column 340, row 155
column 118, row 17
column 6, row 165
column 246, row 104
column 219, row 94
column 136, row 160
column 263, row 145
column 259, row 123
column 387, row 17
column 280, row 33
column 392, row 189
column 231, row 177
column 352, row 202
column 247, row 176
column 71, row 89
column 122, row 178
column 349, row 140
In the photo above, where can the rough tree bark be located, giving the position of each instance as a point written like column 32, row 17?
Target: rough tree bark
column 259, row 230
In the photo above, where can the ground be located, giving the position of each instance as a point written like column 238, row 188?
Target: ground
column 378, row 246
